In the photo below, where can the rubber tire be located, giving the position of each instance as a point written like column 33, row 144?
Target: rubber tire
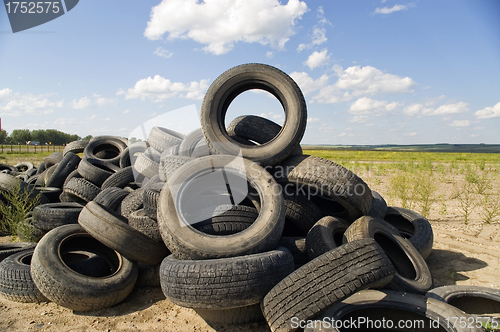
column 139, row 221
column 170, row 163
column 53, row 159
column 133, row 202
column 46, row 217
column 119, row 179
column 189, row 143
column 96, row 171
column 51, row 194
column 150, row 200
column 147, row 164
column 111, row 197
column 225, row 282
column 301, row 213
column 325, row 281
column 75, row 147
column 412, row 226
column 329, row 179
column 81, row 190
column 185, row 242
column 16, row 283
column 71, row 289
column 149, row 276
column 325, row 235
column 7, row 249
column 113, row 231
column 242, row 78
column 379, row 206
column 25, row 228
column 412, row 273
column 395, row 306
column 162, row 138
column 105, row 143
column 297, row 246
column 228, row 220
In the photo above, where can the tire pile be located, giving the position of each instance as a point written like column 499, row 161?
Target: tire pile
column 234, row 222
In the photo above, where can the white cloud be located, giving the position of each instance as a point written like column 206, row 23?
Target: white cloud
column 159, row 88
column 81, row 104
column 269, row 54
column 474, row 135
column 218, row 24
column 367, row 106
column 460, row 123
column 16, row 104
column 319, row 31
column 412, row 134
column 86, row 102
column 395, row 8
column 278, row 118
column 101, row 101
column 485, row 113
column 317, row 59
column 313, row 120
column 446, row 109
column 359, row 119
column 161, row 52
column 126, row 111
column 307, row 84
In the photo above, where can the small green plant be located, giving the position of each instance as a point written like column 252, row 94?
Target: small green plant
column 425, row 187
column 490, row 208
column 444, row 208
column 402, row 188
column 466, row 195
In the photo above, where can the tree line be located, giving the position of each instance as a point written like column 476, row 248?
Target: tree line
column 43, row 136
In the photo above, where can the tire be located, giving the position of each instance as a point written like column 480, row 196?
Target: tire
column 119, row 179
column 162, row 138
column 133, row 202
column 105, row 148
column 111, row 197
column 170, row 163
column 189, row 143
column 113, row 231
column 325, row 235
column 242, row 78
column 228, row 220
column 51, row 194
column 5, row 167
column 185, row 242
column 226, row 282
column 232, row 316
column 301, row 213
column 379, row 206
column 71, row 175
column 147, row 164
column 7, row 249
column 96, row 171
column 70, row 289
column 53, row 159
column 46, row 217
column 47, row 174
column 139, row 221
column 474, row 300
column 412, row 274
column 75, row 147
column 413, row 227
column 40, row 168
column 150, row 200
column 14, row 186
column 394, row 307
column 328, row 179
column 24, row 167
column 125, row 158
column 81, row 190
column 297, row 246
column 16, row 283
column 67, row 165
column 201, row 149
column 325, row 281
column 149, row 276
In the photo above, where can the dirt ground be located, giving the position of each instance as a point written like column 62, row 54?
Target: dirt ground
column 462, row 255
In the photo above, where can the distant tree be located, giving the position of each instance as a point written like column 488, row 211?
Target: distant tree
column 3, row 136
column 20, row 136
column 87, row 138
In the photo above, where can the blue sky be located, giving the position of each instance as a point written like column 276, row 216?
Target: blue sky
column 372, row 72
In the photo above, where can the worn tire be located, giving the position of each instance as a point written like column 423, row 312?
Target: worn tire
column 242, row 78
column 49, row 216
column 7, row 249
column 225, row 282
column 105, row 148
column 301, row 213
column 185, row 242
column 80, row 190
column 379, row 206
column 162, row 138
column 147, row 164
column 412, row 273
column 96, row 171
column 113, row 231
column 170, row 163
column 297, row 246
column 133, row 202
column 71, row 289
column 150, row 199
column 325, row 281
column 111, row 197
column 228, row 219
column 139, row 221
column 325, row 235
column 119, row 179
column 189, row 143
column 75, row 147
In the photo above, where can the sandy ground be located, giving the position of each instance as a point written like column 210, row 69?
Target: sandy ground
column 462, row 255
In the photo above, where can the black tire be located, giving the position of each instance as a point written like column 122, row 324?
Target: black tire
column 5, row 167
column 232, row 316
column 473, row 300
column 413, row 227
column 105, row 148
column 139, row 221
column 151, row 197
column 297, row 246
column 379, row 206
column 113, row 231
column 170, row 163
column 228, row 220
column 7, row 249
column 133, row 202
column 189, row 143
column 242, row 78
column 14, row 186
column 149, row 276
column 325, row 281
column 325, row 235
column 67, row 165
column 301, row 213
column 201, row 149
column 71, row 175
column 412, row 273
column 70, row 289
column 51, row 194
column 46, row 217
column 96, row 171
column 40, row 168
column 125, row 158
column 185, row 242
column 111, row 197
column 393, row 308
column 225, row 282
column 47, row 174
column 326, row 178
column 147, row 164
column 75, row 147
column 24, row 167
column 16, row 283
column 119, row 179
column 80, row 190
column 161, row 138
column 53, row 159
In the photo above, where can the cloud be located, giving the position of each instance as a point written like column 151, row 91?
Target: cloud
column 318, row 33
column 485, row 113
column 395, row 8
column 278, row 118
column 17, row 104
column 317, row 58
column 313, row 120
column 446, row 109
column 218, row 24
column 101, row 101
column 158, row 89
column 460, row 123
column 412, row 134
column 307, row 84
column 269, row 54
column 161, row 52
column 359, row 119
column 81, row 104
column 368, row 106
column 86, row 102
